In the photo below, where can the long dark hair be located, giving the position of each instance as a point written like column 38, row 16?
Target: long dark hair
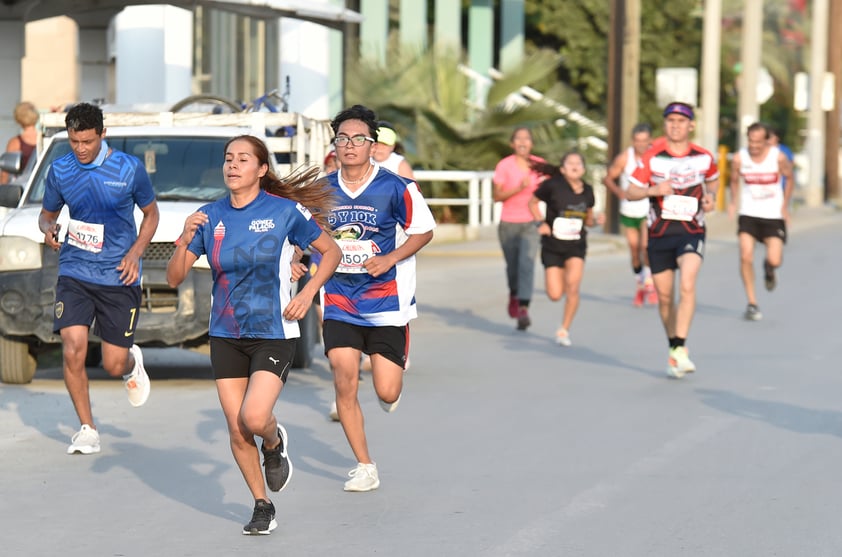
column 302, row 185
column 553, row 170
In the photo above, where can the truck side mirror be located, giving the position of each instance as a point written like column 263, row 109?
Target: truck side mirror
column 10, row 195
column 10, row 162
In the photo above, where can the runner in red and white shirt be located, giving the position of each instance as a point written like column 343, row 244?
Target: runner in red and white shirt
column 680, row 180
column 758, row 194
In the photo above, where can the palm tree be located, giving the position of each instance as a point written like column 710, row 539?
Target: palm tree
column 427, row 96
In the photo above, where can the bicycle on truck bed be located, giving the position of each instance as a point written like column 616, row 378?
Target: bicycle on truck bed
column 273, row 101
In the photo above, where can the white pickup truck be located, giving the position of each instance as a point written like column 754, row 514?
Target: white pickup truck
column 183, row 154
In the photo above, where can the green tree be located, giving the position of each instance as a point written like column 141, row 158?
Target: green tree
column 579, row 30
column 426, row 96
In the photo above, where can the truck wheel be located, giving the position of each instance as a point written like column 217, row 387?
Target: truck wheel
column 307, row 343
column 17, row 365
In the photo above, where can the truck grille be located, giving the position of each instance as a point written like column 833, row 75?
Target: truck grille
column 161, row 251
column 158, row 297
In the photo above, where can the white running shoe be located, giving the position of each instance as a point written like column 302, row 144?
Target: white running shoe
column 137, row 382
column 562, row 337
column 85, row 441
column 334, row 412
column 389, row 406
column 363, row 478
column 679, row 363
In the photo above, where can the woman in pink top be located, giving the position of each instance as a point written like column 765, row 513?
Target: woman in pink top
column 514, row 184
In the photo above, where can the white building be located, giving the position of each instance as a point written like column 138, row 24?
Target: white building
column 154, row 55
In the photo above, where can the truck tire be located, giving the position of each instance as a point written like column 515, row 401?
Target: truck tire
column 306, row 346
column 17, row 365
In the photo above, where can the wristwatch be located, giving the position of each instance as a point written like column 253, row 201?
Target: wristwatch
column 538, row 223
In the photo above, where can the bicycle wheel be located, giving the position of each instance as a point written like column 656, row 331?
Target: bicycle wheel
column 206, row 103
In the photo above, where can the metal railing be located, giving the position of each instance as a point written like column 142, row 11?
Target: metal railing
column 482, row 209
column 480, row 202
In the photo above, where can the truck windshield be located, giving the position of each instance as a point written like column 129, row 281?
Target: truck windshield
column 179, row 167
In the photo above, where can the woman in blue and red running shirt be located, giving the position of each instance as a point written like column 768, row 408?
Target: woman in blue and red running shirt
column 249, row 238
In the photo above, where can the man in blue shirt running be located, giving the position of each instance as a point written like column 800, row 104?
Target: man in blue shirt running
column 99, row 265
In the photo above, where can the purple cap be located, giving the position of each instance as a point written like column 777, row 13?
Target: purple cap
column 679, row 108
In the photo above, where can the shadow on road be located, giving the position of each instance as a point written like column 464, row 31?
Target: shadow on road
column 779, row 414
column 188, row 476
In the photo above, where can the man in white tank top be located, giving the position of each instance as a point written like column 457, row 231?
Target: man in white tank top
column 633, row 213
column 760, row 199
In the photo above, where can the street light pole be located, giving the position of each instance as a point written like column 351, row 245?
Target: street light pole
column 711, row 54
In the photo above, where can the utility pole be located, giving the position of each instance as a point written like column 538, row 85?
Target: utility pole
column 630, row 88
column 834, row 66
column 615, row 100
column 814, row 194
column 749, row 112
column 623, row 87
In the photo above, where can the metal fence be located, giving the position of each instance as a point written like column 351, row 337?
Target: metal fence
column 482, row 209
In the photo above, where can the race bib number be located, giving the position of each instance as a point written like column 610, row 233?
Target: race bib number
column 762, row 192
column 354, row 255
column 85, row 235
column 679, row 207
column 567, row 229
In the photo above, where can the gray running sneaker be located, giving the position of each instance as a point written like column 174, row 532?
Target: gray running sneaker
column 277, row 463
column 753, row 313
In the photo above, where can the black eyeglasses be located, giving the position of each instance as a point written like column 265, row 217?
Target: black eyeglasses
column 356, row 141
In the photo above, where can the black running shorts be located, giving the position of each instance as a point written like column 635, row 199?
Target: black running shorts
column 760, row 229
column 240, row 357
column 558, row 257
column 390, row 342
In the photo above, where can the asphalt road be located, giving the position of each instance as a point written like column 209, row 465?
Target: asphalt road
column 504, row 444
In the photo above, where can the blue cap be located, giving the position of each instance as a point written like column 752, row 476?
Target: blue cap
column 679, row 108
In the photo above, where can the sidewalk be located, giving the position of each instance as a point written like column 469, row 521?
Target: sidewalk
column 452, row 240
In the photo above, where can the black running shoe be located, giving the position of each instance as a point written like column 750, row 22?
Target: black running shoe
column 769, row 276
column 523, row 320
column 277, row 463
column 262, row 519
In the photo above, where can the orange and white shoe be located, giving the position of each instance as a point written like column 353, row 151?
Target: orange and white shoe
column 638, row 297
column 679, row 362
column 651, row 294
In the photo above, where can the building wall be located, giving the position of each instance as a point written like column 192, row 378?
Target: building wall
column 49, row 68
column 145, row 59
column 152, row 55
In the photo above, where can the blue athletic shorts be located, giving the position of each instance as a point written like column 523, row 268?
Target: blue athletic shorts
column 665, row 251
